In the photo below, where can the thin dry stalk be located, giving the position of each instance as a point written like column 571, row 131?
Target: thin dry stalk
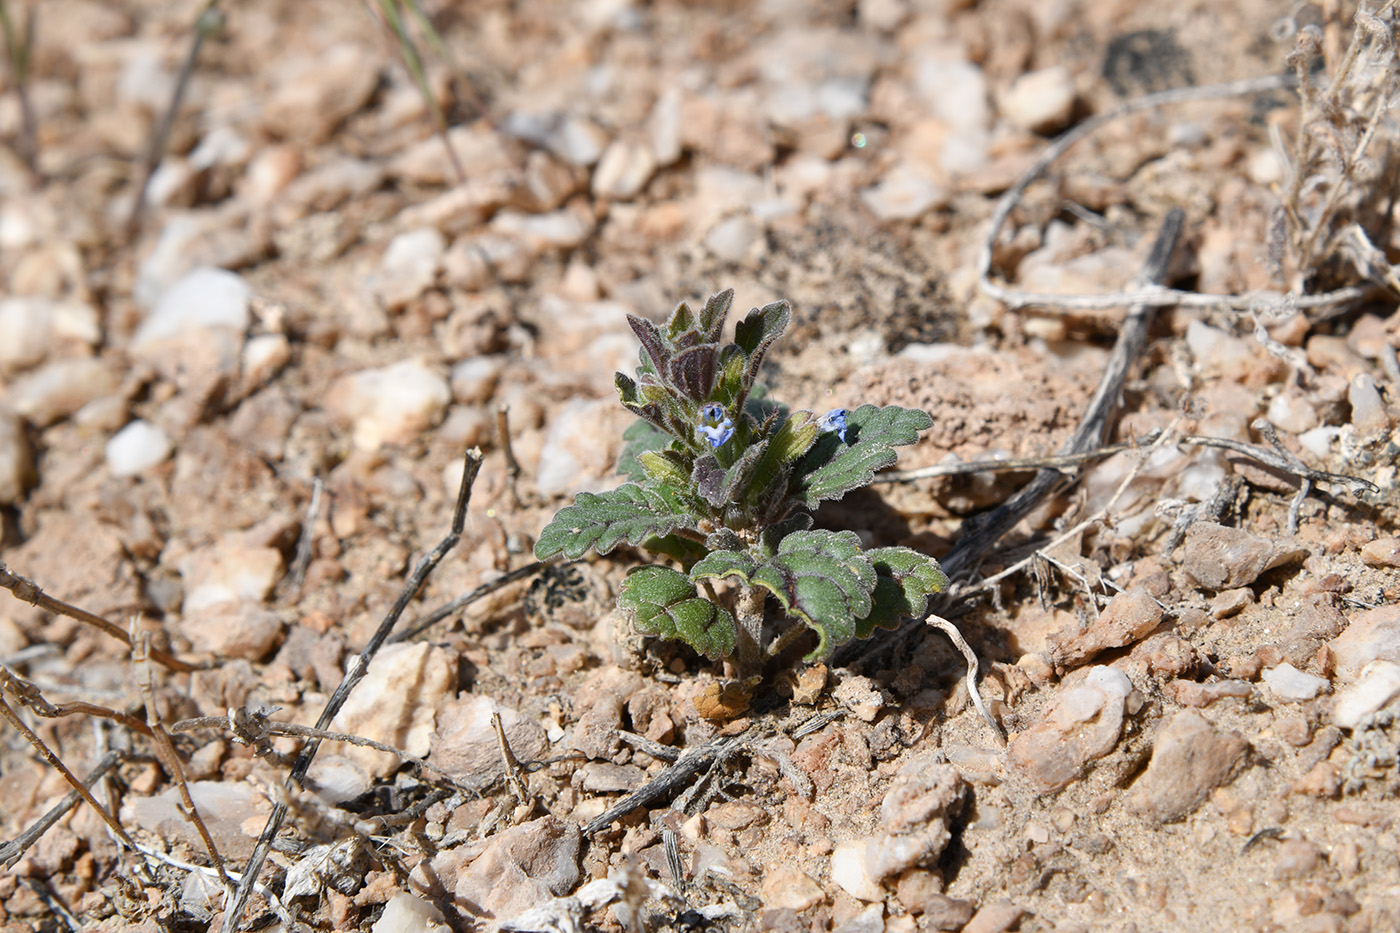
column 951, row 630
column 165, row 749
column 358, row 667
column 514, row 774
column 210, row 21
column 53, row 761
column 12, row 851
column 1156, row 295
column 32, row 699
column 27, row 591
column 512, row 465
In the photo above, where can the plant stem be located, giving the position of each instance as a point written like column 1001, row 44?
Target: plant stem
column 749, row 609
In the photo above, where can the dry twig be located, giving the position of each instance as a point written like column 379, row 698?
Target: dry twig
column 358, row 667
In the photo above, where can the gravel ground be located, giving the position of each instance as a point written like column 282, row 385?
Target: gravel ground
column 232, row 422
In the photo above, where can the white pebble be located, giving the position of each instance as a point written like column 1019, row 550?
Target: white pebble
column 1368, row 414
column 1040, row 101
column 903, row 194
column 1288, row 683
column 203, row 298
column 410, row 266
column 730, row 239
column 136, row 448
column 263, row 356
column 1378, row 687
column 391, row 405
column 624, row 170
column 409, row 913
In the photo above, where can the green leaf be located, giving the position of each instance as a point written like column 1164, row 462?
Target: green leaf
column 822, row 578
column 655, row 354
column 684, row 550
column 719, row 564
column 713, row 314
column 639, row 437
column 664, row 602
column 832, row 468
column 906, row 580
column 786, row 446
column 602, row 521
column 681, row 321
column 664, row 467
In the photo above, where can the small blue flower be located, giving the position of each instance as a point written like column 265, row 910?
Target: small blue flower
column 834, row 420
column 715, row 425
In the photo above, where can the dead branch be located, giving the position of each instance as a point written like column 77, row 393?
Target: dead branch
column 1156, row 296
column 358, row 667
column 672, row 780
column 12, row 851
column 28, row 591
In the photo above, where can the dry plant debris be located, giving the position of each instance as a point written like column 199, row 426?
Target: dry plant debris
column 268, row 270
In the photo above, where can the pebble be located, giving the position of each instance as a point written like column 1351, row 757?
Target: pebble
column 1083, row 726
column 327, row 186
column 201, row 299
column 408, row 913
column 1129, row 617
column 859, row 694
column 409, row 267
column 995, row 918
column 556, row 230
column 1040, row 101
column 271, row 170
column 1372, row 634
column 464, row 742
column 225, row 807
column 396, row 703
column 312, row 97
column 665, row 127
column 1291, row 685
column 578, row 450
column 1291, row 412
column 904, row 194
column 624, row 169
column 229, row 571
column 1377, row 688
column 604, row 777
column 474, row 381
column 869, row 920
column 1217, row 557
column 731, row 239
column 915, row 814
column 1219, row 354
column 16, row 458
column 1382, row 552
column 394, row 404
column 34, row 326
column 786, row 887
column 481, row 150
column 1333, row 354
column 263, row 357
column 136, row 448
column 1189, row 693
column 1368, row 412
column 513, row 871
column 955, row 92
column 942, row 912
column 238, row 629
column 1189, row 760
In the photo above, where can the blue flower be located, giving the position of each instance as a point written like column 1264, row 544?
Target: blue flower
column 834, row 420
column 715, row 425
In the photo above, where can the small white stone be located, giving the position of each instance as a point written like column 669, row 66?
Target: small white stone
column 227, row 572
column 409, row 913
column 136, row 448
column 623, row 171
column 203, row 298
column 579, row 141
column 1368, row 414
column 391, row 405
column 730, row 239
column 1378, row 687
column 263, row 356
column 410, row 266
column 1289, row 684
column 474, row 380
column 31, row 325
column 1290, row 411
column 665, row 126
column 1040, row 101
column 558, row 230
column 58, row 389
column 1319, row 441
column 903, row 194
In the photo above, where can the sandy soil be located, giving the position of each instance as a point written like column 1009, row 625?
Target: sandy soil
column 314, row 317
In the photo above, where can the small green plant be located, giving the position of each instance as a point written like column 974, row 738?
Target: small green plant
column 724, row 481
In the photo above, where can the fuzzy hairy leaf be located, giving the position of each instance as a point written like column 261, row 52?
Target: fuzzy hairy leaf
column 654, row 355
column 602, row 521
column 906, row 579
column 693, row 370
column 664, row 602
column 832, row 468
column 786, row 446
column 708, row 480
column 682, row 320
column 822, row 578
column 713, row 314
column 681, row 549
column 719, row 564
column 639, row 437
